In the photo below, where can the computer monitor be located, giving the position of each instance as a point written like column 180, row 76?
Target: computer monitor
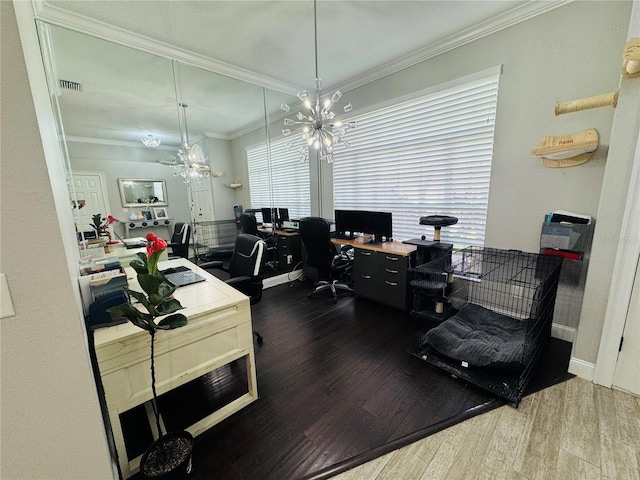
column 283, row 214
column 269, row 215
column 378, row 224
column 348, row 222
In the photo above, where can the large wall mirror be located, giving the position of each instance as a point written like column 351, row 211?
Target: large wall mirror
column 135, row 192
column 108, row 97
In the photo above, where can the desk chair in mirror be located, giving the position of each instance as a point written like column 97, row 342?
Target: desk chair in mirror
column 334, row 266
column 180, row 240
column 249, row 225
column 246, row 268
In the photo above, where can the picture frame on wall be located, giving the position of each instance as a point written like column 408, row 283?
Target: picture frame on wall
column 160, row 212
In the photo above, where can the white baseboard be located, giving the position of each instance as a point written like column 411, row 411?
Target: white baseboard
column 282, row 278
column 568, row 334
column 582, row 368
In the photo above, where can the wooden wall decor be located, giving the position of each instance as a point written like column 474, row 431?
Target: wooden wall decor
column 567, row 150
column 631, row 56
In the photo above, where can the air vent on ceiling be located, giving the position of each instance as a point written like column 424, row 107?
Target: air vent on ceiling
column 69, row 85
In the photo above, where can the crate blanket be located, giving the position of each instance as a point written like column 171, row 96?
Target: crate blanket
column 481, row 337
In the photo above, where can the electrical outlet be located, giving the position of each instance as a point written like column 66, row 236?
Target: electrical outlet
column 289, row 259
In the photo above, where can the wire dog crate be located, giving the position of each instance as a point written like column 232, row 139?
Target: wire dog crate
column 210, row 235
column 501, row 306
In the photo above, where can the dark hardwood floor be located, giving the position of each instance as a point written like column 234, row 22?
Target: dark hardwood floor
column 337, row 387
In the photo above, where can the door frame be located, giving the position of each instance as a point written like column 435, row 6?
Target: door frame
column 622, row 280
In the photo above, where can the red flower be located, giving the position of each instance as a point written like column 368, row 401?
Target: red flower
column 154, row 243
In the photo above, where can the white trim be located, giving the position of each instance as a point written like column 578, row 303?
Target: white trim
column 581, row 368
column 54, row 14
column 80, row 23
column 500, row 22
column 280, row 279
column 624, row 271
column 562, row 332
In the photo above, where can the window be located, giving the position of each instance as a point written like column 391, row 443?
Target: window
column 288, row 184
column 426, row 156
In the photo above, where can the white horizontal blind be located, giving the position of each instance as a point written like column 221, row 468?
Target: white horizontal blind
column 288, row 185
column 427, row 156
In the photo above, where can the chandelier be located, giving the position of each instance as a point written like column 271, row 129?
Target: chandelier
column 320, row 130
column 150, row 141
column 192, row 162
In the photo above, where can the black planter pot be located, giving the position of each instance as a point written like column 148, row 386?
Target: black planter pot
column 168, row 458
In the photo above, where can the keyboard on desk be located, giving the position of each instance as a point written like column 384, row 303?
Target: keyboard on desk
column 181, row 276
column 341, row 236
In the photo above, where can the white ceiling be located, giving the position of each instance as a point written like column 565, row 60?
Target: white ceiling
column 266, row 42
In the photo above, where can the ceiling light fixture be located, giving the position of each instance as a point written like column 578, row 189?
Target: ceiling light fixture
column 151, row 141
column 192, row 164
column 319, row 129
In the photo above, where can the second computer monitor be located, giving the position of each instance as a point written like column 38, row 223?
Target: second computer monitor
column 378, row 224
column 283, row 214
column 269, row 215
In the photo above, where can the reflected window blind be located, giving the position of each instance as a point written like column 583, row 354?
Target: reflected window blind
column 427, row 156
column 288, row 185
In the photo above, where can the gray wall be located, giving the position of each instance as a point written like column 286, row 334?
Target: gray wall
column 51, row 421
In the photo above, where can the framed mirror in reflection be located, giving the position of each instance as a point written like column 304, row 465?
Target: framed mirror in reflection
column 135, row 192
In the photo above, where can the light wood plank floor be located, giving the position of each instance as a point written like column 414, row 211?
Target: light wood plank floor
column 573, row 430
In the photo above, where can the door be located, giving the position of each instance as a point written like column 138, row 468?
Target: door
column 88, row 187
column 626, row 376
column 202, row 200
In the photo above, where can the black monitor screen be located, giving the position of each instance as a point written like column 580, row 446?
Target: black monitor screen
column 348, row 221
column 283, row 214
column 379, row 224
column 268, row 217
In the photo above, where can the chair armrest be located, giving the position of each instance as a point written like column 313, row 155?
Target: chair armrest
column 216, row 264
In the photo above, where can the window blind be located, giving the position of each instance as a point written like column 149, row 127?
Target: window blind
column 427, row 156
column 286, row 186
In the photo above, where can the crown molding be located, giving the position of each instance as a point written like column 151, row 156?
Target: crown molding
column 53, row 14
column 519, row 14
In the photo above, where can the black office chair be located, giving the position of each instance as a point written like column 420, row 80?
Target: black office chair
column 249, row 225
column 323, row 255
column 180, row 240
column 246, row 268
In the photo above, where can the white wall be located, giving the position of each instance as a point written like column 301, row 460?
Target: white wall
column 51, row 422
column 607, row 242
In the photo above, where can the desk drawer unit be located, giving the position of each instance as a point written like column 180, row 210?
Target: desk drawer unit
column 381, row 276
column 393, row 280
column 288, row 252
column 366, row 272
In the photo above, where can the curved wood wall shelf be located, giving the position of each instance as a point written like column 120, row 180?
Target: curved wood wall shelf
column 236, row 185
column 567, row 150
